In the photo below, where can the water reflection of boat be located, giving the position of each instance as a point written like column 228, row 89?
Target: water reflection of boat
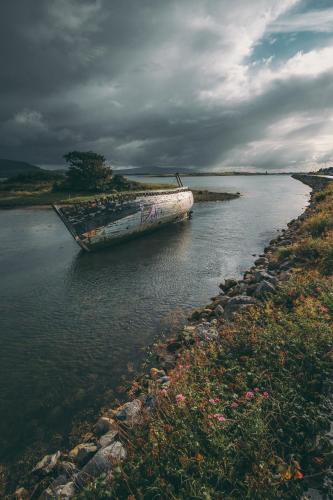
column 112, row 218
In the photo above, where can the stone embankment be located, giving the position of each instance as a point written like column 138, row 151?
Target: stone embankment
column 316, row 182
column 64, row 474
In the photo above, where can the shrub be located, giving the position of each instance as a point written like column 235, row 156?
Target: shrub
column 327, row 263
column 318, row 224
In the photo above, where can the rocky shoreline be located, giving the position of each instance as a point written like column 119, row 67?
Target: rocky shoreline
column 64, row 474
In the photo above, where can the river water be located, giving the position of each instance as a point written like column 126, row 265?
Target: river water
column 73, row 324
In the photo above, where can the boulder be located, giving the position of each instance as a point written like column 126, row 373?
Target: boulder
column 261, row 261
column 222, row 300
column 236, row 304
column 130, row 412
column 67, row 469
column 227, row 284
column 47, row 464
column 251, row 289
column 105, row 424
column 107, row 439
column 61, row 491
column 263, row 289
column 82, row 452
column 102, row 462
column 219, row 310
column 263, row 275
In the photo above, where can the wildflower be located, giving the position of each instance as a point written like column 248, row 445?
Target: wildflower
column 249, row 395
column 164, row 392
column 256, row 389
column 265, row 394
column 180, row 398
column 210, row 416
column 219, row 417
column 213, row 401
column 234, row 405
column 298, row 474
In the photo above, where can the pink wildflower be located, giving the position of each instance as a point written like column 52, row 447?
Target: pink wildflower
column 256, row 389
column 221, row 418
column 265, row 394
column 210, row 416
column 213, row 401
column 249, row 395
column 163, row 392
column 234, row 405
column 180, row 398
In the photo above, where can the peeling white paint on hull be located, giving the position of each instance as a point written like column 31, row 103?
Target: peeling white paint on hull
column 114, row 218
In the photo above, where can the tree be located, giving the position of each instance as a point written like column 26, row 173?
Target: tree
column 87, row 171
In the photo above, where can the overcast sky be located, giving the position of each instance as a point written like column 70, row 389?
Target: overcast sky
column 204, row 84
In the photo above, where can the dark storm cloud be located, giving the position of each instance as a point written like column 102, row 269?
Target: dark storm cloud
column 157, row 83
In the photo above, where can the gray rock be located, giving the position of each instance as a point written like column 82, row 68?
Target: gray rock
column 228, row 283
column 251, row 289
column 47, row 464
column 261, row 261
column 104, row 424
column 102, row 462
column 285, row 265
column 62, row 491
column 107, row 438
column 263, row 275
column 236, row 304
column 129, row 412
column 263, row 289
column 222, row 300
column 219, row 310
column 66, row 468
column 207, row 331
column 82, row 452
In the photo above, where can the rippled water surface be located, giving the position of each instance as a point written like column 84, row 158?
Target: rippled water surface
column 71, row 322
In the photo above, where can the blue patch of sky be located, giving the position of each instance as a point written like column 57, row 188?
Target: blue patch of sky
column 306, row 5
column 282, row 46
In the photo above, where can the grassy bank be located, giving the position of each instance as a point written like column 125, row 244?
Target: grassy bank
column 42, row 194
column 245, row 414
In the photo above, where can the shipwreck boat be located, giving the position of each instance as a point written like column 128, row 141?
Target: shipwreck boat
column 112, row 218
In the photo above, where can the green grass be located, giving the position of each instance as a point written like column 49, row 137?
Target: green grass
column 43, row 194
column 245, row 417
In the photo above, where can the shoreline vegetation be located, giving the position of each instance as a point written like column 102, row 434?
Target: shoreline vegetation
column 42, row 195
column 238, row 402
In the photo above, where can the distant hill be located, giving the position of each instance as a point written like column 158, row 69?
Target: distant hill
column 156, row 171
column 8, row 168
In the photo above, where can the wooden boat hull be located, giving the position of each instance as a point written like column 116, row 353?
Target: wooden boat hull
column 115, row 218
